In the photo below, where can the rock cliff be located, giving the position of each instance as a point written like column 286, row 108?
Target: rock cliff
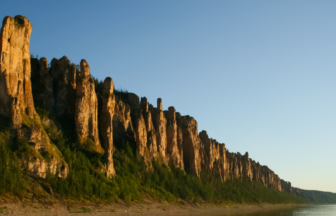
column 15, row 92
column 106, row 122
column 191, row 145
column 86, row 111
column 42, row 85
column 174, row 140
column 54, row 88
column 64, row 91
column 161, row 132
column 17, row 99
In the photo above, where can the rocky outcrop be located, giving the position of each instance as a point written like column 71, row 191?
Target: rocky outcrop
column 141, row 135
column 174, row 140
column 266, row 176
column 54, row 88
column 151, row 143
column 17, row 99
column 161, row 132
column 86, row 111
column 15, row 78
column 286, row 186
column 106, row 122
column 64, row 80
column 122, row 121
column 42, row 85
column 191, row 145
column 211, row 149
column 65, row 92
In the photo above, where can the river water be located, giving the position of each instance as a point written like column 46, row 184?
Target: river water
column 313, row 210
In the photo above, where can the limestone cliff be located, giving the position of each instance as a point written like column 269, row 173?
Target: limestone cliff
column 191, row 145
column 65, row 92
column 86, row 111
column 15, row 92
column 174, row 140
column 54, row 88
column 151, row 143
column 161, row 132
column 17, row 99
column 122, row 121
column 106, row 123
column 141, row 135
column 42, row 85
column 64, row 80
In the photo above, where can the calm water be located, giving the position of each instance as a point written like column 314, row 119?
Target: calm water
column 325, row 210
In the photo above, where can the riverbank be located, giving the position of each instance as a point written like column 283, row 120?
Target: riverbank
column 146, row 207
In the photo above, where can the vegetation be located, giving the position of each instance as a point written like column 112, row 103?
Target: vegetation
column 318, row 197
column 133, row 182
column 11, row 176
column 19, row 22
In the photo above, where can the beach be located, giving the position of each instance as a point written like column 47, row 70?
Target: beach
column 147, row 207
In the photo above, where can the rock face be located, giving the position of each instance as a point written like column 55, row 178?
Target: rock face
column 17, row 98
column 161, row 132
column 151, row 143
column 15, row 80
column 174, row 140
column 191, row 145
column 141, row 135
column 63, row 91
column 64, row 80
column 42, row 85
column 122, row 121
column 54, row 88
column 106, row 122
column 86, row 111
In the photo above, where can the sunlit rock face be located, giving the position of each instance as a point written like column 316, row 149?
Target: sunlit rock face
column 174, row 140
column 151, row 143
column 161, row 131
column 141, row 135
column 86, row 111
column 106, row 122
column 15, row 79
column 17, row 98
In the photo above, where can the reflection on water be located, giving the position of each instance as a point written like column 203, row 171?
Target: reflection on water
column 318, row 210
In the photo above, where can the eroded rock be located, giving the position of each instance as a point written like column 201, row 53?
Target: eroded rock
column 42, row 85
column 15, row 69
column 86, row 112
column 106, row 121
column 191, row 145
column 161, row 133
column 17, row 99
column 64, row 80
column 174, row 139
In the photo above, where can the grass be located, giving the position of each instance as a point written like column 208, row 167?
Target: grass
column 3, row 209
column 50, row 150
column 88, row 144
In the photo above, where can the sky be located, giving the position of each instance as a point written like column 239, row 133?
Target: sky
column 258, row 76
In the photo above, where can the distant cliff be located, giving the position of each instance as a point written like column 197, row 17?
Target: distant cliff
column 100, row 118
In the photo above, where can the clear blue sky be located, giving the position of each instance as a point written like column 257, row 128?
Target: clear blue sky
column 256, row 75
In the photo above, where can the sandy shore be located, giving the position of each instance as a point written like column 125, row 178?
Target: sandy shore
column 143, row 208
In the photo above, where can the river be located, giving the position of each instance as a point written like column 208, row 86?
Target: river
column 313, row 210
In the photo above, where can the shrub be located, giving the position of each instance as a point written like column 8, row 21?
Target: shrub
column 19, row 22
